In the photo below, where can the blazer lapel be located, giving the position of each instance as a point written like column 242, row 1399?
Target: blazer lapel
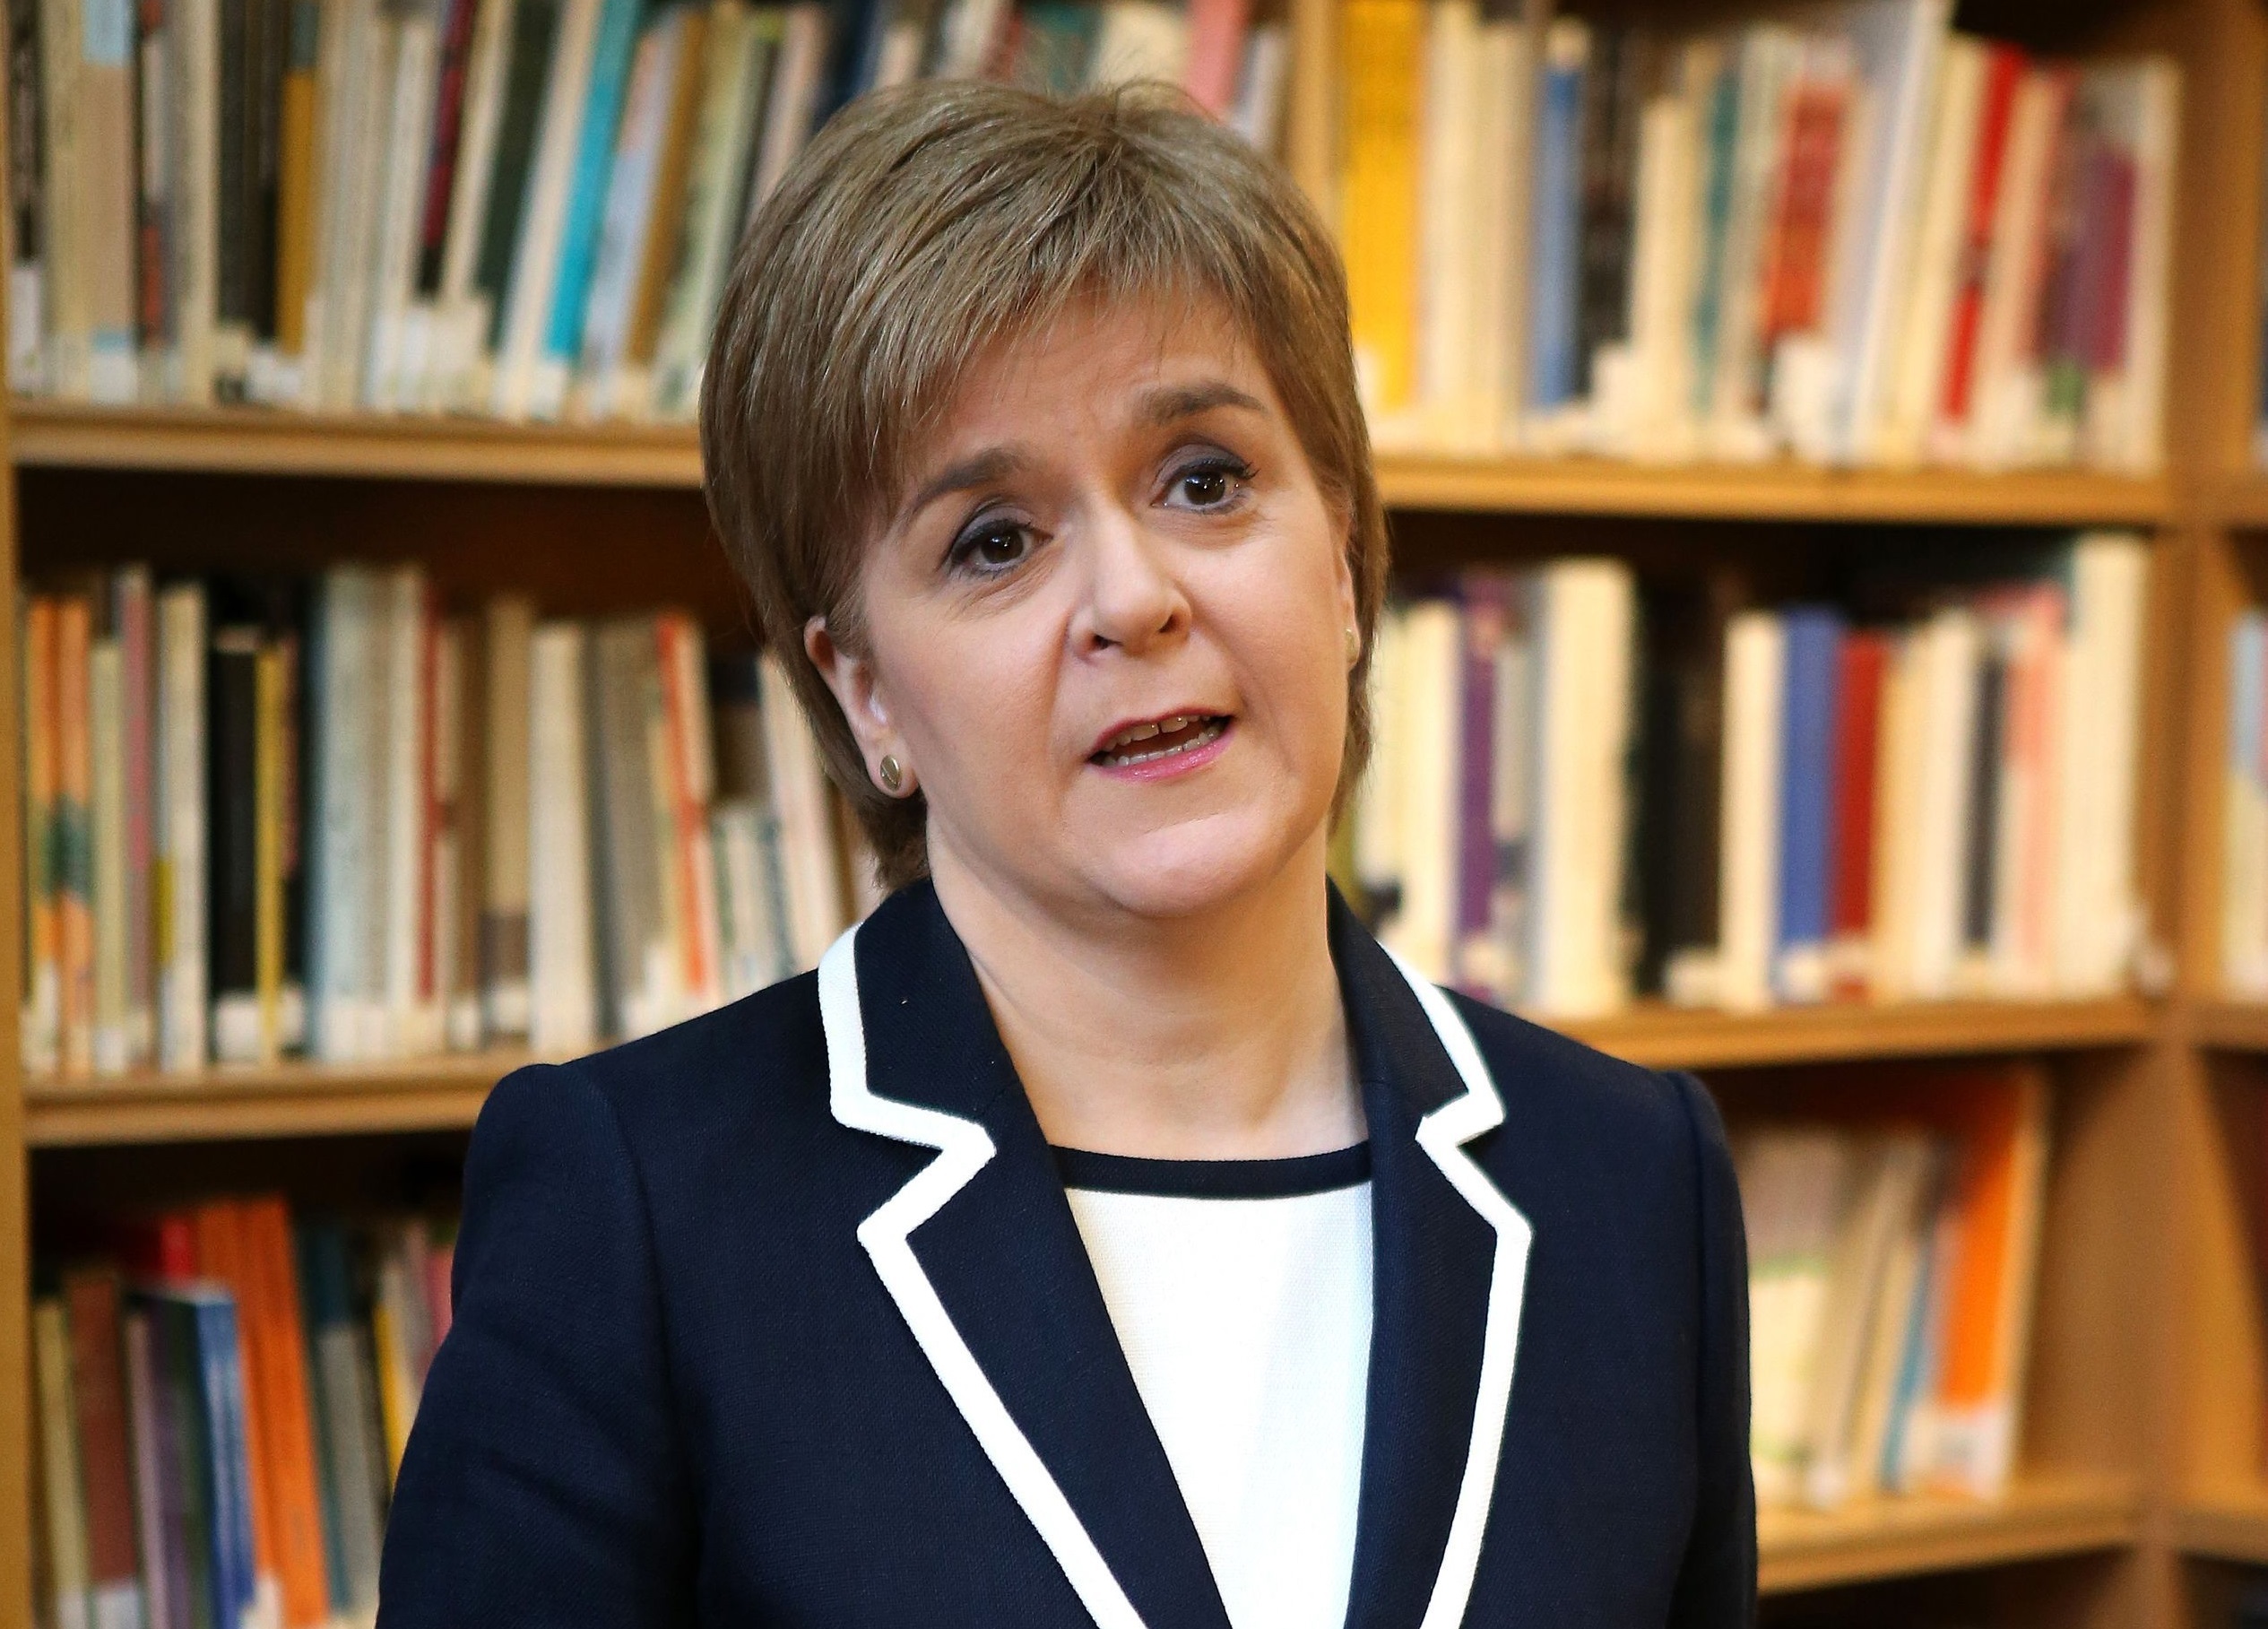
column 982, row 1254
column 1450, row 1264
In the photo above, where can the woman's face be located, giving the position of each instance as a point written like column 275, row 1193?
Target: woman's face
column 1106, row 633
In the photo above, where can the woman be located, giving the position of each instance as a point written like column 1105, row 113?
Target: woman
column 1111, row 1231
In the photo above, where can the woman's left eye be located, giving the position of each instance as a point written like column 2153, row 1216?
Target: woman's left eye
column 1210, row 485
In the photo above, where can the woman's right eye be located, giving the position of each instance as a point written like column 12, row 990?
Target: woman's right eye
column 993, row 546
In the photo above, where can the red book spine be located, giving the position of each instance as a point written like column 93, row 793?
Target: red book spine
column 2004, row 74
column 1793, row 278
column 1866, row 657
column 97, row 1389
column 1216, row 53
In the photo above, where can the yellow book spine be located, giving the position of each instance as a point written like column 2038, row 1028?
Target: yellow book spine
column 1383, row 46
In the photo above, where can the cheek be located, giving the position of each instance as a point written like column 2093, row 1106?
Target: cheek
column 972, row 699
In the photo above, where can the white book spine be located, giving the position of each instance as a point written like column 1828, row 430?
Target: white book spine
column 1953, row 650
column 106, row 719
column 1748, row 884
column 408, row 678
column 1917, row 367
column 409, row 126
column 563, row 992
column 1588, row 625
column 1424, row 932
column 815, row 911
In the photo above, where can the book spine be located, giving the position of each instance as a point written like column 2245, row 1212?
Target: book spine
column 108, row 834
column 154, row 1519
column 132, row 611
column 92, row 1299
column 593, row 160
column 43, row 960
column 75, row 845
column 1806, row 841
column 68, row 1577
column 232, row 824
column 27, row 202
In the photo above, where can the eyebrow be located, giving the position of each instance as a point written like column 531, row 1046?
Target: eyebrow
column 1172, row 403
column 978, row 469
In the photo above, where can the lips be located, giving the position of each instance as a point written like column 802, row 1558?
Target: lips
column 1152, row 740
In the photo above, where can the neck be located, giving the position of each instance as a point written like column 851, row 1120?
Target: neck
column 1215, row 1037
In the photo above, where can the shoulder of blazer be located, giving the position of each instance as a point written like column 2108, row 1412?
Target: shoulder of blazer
column 754, row 1066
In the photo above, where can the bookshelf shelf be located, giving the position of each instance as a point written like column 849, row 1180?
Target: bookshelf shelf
column 415, row 447
column 1896, row 1537
column 316, row 1099
column 2230, row 1026
column 1775, row 491
column 2225, row 1525
column 1676, row 1037
column 263, row 442
column 286, row 1100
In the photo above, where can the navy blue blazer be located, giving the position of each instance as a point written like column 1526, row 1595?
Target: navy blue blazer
column 780, row 1317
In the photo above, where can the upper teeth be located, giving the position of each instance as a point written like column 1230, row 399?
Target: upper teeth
column 1164, row 726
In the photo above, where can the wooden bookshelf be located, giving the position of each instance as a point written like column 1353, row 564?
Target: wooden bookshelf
column 2038, row 1518
column 2146, row 1418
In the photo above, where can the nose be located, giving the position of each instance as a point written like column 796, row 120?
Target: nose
column 1134, row 601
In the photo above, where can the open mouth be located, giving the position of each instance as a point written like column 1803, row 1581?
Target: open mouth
column 1160, row 738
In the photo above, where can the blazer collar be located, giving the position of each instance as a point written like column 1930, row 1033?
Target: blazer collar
column 985, row 1263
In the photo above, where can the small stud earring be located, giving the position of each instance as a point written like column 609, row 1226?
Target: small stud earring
column 1353, row 648
column 893, row 774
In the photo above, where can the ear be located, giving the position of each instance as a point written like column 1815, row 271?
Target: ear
column 858, row 692
column 1343, row 584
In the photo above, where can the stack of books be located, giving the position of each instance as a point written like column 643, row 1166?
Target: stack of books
column 221, row 1407
column 1585, row 789
column 1859, row 238
column 519, row 207
column 267, row 816
column 1892, row 1249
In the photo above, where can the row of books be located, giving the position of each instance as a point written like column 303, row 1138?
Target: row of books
column 1859, row 238
column 1892, row 1248
column 222, row 1400
column 523, row 207
column 1585, row 788
column 272, row 815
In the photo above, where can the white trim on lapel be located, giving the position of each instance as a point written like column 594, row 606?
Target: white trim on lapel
column 1440, row 1134
column 963, row 1148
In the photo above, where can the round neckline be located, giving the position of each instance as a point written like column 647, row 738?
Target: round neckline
column 1214, row 1179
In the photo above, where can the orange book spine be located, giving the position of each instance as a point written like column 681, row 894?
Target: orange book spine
column 277, row 1347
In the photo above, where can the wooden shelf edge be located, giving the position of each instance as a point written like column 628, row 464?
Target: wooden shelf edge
column 2229, row 1025
column 1898, row 1537
column 432, row 447
column 287, row 1100
column 1674, row 1038
column 316, row 1099
column 1771, row 491
column 2228, row 1526
column 271, row 442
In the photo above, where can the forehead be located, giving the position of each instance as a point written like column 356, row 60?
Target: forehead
column 1094, row 356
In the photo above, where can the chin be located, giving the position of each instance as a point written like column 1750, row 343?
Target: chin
column 1193, row 867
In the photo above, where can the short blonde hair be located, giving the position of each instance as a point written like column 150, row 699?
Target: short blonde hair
column 927, row 224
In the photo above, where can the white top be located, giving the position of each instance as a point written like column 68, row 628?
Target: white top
column 1240, row 1291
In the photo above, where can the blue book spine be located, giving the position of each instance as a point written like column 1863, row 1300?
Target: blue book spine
column 594, row 165
column 221, row 1365
column 1806, row 799
column 1558, row 238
